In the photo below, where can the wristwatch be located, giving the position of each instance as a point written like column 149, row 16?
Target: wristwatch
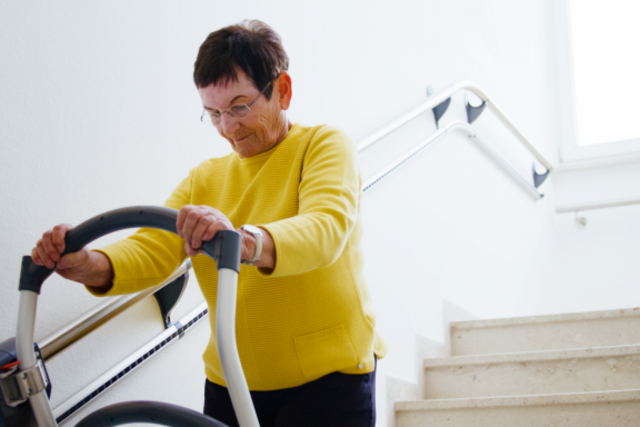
column 257, row 234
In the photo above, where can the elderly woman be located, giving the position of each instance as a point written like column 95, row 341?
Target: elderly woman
column 305, row 325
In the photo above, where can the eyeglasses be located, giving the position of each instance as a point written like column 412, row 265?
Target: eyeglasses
column 240, row 111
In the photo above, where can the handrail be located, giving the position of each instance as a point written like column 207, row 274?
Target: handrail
column 168, row 336
column 82, row 325
column 437, row 99
column 598, row 205
column 471, row 132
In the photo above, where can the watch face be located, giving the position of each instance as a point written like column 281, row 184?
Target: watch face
column 251, row 229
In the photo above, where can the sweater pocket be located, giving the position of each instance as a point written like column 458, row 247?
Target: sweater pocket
column 324, row 352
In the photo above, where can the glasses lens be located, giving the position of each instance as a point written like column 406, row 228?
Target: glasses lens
column 239, row 110
column 209, row 120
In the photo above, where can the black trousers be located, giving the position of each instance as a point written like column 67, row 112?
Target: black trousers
column 334, row 400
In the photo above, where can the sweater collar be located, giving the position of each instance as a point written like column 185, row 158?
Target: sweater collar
column 293, row 133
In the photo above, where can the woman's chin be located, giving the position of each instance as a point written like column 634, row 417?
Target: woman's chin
column 245, row 152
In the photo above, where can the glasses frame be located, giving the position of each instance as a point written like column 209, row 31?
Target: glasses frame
column 228, row 111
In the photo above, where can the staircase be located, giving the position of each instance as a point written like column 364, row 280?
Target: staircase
column 580, row 369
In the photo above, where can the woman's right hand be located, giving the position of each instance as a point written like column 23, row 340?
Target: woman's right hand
column 90, row 268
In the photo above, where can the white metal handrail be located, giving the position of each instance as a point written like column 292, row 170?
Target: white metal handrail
column 471, row 132
column 597, row 205
column 437, row 99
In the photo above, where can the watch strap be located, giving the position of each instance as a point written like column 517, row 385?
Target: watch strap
column 257, row 235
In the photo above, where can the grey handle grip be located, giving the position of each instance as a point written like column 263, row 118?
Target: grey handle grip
column 224, row 248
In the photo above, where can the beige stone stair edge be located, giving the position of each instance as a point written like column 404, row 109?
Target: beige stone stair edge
column 534, row 356
column 551, row 318
column 513, row 401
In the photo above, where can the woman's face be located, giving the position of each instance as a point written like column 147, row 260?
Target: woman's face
column 265, row 125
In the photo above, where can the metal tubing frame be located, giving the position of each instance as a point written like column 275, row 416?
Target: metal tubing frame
column 471, row 132
column 435, row 100
column 87, row 322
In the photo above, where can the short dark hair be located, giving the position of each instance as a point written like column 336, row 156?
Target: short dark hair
column 252, row 46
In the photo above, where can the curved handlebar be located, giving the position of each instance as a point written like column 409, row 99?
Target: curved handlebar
column 224, row 248
column 148, row 412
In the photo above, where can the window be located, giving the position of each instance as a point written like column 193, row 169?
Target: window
column 599, row 74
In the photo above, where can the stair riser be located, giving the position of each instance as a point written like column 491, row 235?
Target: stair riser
column 545, row 336
column 530, row 378
column 618, row 414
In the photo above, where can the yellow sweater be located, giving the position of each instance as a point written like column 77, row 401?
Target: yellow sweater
column 310, row 316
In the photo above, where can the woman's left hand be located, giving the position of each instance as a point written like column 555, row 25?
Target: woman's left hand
column 196, row 224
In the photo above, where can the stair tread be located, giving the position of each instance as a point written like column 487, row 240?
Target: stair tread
column 534, row 356
column 524, row 400
column 550, row 318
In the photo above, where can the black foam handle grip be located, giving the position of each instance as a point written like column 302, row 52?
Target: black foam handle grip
column 224, row 248
column 148, row 412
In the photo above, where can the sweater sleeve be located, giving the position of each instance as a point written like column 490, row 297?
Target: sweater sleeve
column 329, row 194
column 147, row 257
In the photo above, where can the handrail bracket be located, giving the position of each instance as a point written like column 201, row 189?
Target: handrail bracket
column 539, row 178
column 168, row 296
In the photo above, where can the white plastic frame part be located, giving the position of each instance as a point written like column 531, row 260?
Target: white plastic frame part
column 228, row 349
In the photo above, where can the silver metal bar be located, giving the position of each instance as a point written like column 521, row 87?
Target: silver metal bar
column 471, row 132
column 82, row 325
column 598, row 205
column 437, row 99
column 64, row 411
column 228, row 349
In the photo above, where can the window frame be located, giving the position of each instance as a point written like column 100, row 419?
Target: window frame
column 568, row 150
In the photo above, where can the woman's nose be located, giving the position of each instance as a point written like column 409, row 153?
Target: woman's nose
column 228, row 124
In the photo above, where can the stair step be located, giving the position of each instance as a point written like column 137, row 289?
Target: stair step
column 552, row 332
column 596, row 409
column 533, row 373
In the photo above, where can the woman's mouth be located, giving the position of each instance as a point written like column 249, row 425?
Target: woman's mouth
column 241, row 139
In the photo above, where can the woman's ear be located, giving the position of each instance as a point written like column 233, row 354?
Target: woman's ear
column 283, row 84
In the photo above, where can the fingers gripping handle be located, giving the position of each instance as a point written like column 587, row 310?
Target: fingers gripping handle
column 224, row 248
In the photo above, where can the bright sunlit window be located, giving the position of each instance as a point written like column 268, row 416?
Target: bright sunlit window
column 605, row 46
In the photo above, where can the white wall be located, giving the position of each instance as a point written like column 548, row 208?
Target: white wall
column 98, row 111
column 598, row 263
